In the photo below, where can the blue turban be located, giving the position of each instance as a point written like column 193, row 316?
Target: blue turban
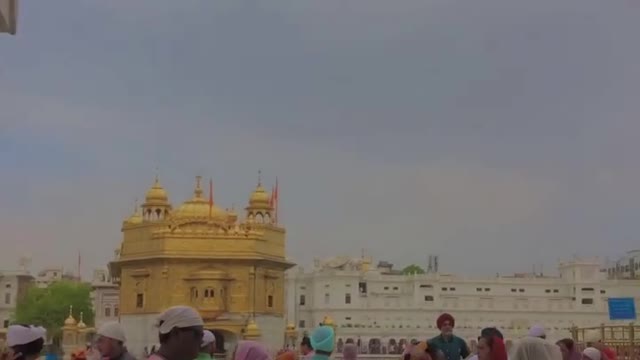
column 322, row 339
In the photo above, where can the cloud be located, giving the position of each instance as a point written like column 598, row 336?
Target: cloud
column 492, row 134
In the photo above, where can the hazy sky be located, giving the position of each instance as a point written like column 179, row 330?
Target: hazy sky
column 494, row 133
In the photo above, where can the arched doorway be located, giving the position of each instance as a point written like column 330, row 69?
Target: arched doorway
column 225, row 342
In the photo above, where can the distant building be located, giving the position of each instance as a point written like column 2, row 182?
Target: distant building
column 627, row 267
column 14, row 286
column 105, row 297
column 8, row 16
column 48, row 276
column 382, row 309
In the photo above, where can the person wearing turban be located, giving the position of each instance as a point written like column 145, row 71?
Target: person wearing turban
column 453, row 347
column 208, row 346
column 322, row 341
column 181, row 330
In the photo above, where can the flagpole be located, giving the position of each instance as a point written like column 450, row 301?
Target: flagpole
column 210, row 196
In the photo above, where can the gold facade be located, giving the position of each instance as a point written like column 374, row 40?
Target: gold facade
column 200, row 255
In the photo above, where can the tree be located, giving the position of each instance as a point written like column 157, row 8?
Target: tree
column 413, row 269
column 49, row 307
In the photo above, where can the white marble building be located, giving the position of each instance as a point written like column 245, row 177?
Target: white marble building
column 379, row 307
column 14, row 285
column 105, row 297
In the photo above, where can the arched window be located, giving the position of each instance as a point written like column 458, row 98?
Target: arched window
column 107, row 311
column 193, row 293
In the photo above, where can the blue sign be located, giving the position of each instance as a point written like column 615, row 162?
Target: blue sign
column 622, row 309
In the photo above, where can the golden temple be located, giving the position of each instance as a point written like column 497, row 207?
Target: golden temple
column 198, row 254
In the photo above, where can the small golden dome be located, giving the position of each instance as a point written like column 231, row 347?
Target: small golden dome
column 81, row 324
column 259, row 196
column 136, row 217
column 70, row 321
column 157, row 194
column 291, row 327
column 252, row 326
column 328, row 321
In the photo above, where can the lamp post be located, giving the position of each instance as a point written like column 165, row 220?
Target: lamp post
column 291, row 336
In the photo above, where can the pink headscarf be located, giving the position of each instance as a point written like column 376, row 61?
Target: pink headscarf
column 251, row 350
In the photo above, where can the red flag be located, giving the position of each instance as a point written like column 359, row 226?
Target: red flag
column 271, row 199
column 210, row 196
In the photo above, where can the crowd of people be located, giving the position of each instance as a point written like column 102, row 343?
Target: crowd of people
column 182, row 336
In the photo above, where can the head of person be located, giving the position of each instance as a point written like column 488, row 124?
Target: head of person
column 537, row 331
column 286, row 355
column 491, row 348
column 305, row 345
column 180, row 332
column 593, row 338
column 111, row 339
column 420, row 352
column 25, row 342
column 208, row 345
column 566, row 348
column 591, row 353
column 250, row 350
column 446, row 323
column 350, row 352
column 323, row 340
column 491, row 332
column 534, row 348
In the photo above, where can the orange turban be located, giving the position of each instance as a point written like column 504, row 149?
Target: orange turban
column 445, row 317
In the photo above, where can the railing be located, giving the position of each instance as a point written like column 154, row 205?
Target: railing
column 624, row 339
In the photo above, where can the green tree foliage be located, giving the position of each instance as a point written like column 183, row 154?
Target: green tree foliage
column 49, row 307
column 413, row 269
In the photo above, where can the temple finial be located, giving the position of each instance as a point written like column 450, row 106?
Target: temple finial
column 259, row 177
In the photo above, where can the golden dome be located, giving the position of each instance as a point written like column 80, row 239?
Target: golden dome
column 156, row 194
column 70, row 320
column 198, row 207
column 252, row 330
column 260, row 198
column 291, row 327
column 81, row 324
column 327, row 321
column 136, row 217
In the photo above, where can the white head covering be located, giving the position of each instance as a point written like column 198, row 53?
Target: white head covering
column 537, row 331
column 207, row 338
column 20, row 335
column 592, row 353
column 533, row 348
column 178, row 317
column 592, row 336
column 112, row 330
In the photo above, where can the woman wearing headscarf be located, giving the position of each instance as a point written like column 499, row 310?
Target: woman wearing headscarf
column 350, row 352
column 567, row 348
column 25, row 342
column 531, row 348
column 250, row 350
column 491, row 348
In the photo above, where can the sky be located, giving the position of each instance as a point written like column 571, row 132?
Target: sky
column 497, row 134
